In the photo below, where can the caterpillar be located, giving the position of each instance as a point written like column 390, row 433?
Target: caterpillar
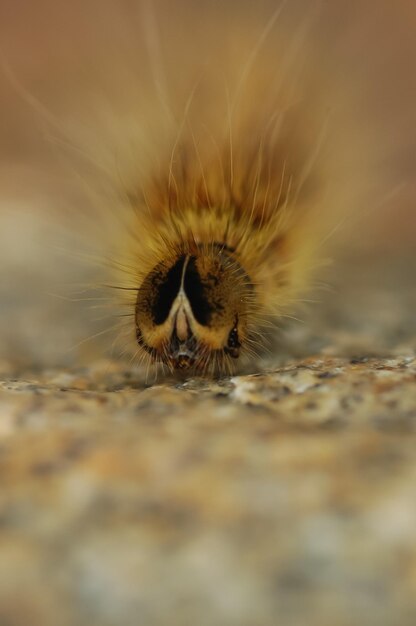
column 229, row 147
column 250, row 175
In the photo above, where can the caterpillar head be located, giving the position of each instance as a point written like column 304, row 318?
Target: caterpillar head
column 192, row 310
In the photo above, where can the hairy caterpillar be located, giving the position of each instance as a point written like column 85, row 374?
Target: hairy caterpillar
column 232, row 149
column 228, row 220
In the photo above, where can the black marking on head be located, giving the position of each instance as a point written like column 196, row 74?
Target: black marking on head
column 182, row 354
column 167, row 290
column 196, row 294
column 233, row 344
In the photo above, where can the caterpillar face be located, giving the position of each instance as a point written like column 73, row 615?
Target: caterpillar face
column 191, row 311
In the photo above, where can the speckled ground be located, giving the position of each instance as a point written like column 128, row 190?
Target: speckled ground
column 285, row 497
